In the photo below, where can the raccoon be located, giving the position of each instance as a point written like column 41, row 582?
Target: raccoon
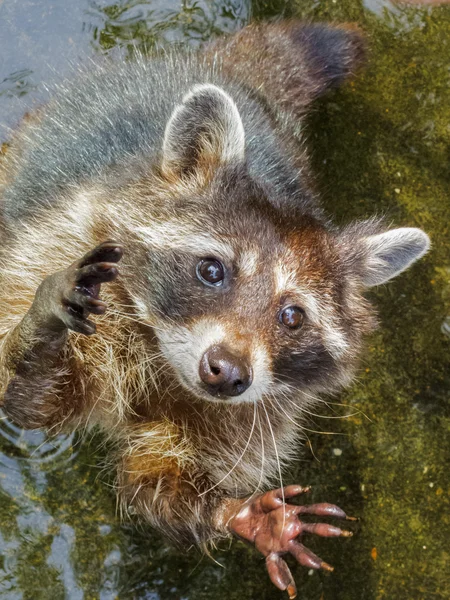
column 179, row 187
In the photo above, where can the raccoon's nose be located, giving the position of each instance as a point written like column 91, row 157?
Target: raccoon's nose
column 224, row 373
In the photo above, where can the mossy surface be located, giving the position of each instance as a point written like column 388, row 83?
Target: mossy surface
column 380, row 145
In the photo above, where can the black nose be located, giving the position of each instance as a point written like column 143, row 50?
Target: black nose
column 224, row 373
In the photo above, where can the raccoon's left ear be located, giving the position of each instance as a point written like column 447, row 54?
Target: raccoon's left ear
column 385, row 255
column 204, row 130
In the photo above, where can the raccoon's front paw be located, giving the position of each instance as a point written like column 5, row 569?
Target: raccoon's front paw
column 275, row 529
column 66, row 298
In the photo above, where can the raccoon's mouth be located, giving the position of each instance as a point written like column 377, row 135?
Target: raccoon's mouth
column 203, row 392
column 213, row 394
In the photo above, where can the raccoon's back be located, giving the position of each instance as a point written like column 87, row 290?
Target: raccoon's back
column 113, row 118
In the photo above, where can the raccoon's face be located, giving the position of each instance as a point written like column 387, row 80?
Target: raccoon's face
column 250, row 300
column 249, row 320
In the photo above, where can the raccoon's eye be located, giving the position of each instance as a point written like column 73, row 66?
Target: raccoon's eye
column 210, row 271
column 292, row 317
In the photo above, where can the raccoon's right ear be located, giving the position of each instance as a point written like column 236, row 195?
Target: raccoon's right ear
column 204, row 130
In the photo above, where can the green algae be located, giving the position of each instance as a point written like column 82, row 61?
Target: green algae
column 380, row 145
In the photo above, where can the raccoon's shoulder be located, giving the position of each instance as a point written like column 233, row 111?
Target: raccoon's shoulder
column 112, row 115
column 102, row 115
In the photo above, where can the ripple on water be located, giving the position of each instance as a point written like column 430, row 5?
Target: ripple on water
column 35, row 446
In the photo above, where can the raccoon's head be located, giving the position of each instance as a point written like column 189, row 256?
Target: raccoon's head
column 250, row 295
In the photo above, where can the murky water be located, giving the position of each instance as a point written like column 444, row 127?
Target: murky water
column 381, row 144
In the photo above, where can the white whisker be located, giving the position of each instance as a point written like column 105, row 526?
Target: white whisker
column 278, row 462
column 240, row 457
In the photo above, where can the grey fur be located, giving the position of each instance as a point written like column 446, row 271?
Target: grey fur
column 111, row 118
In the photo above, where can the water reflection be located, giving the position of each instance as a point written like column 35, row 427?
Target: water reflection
column 35, row 446
column 146, row 24
column 17, row 84
column 41, row 40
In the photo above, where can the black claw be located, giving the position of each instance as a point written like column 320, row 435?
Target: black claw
column 81, row 300
column 77, row 289
column 84, row 327
column 99, row 309
column 90, row 291
column 95, row 274
column 75, row 310
column 106, row 252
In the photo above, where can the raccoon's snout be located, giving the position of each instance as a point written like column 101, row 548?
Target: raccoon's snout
column 224, row 373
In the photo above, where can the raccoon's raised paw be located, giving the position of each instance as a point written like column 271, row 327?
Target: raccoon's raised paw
column 275, row 529
column 66, row 298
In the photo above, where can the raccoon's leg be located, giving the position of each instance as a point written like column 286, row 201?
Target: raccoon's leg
column 159, row 481
column 290, row 63
column 275, row 529
column 39, row 385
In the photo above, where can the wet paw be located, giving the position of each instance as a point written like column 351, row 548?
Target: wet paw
column 275, row 529
column 66, row 299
